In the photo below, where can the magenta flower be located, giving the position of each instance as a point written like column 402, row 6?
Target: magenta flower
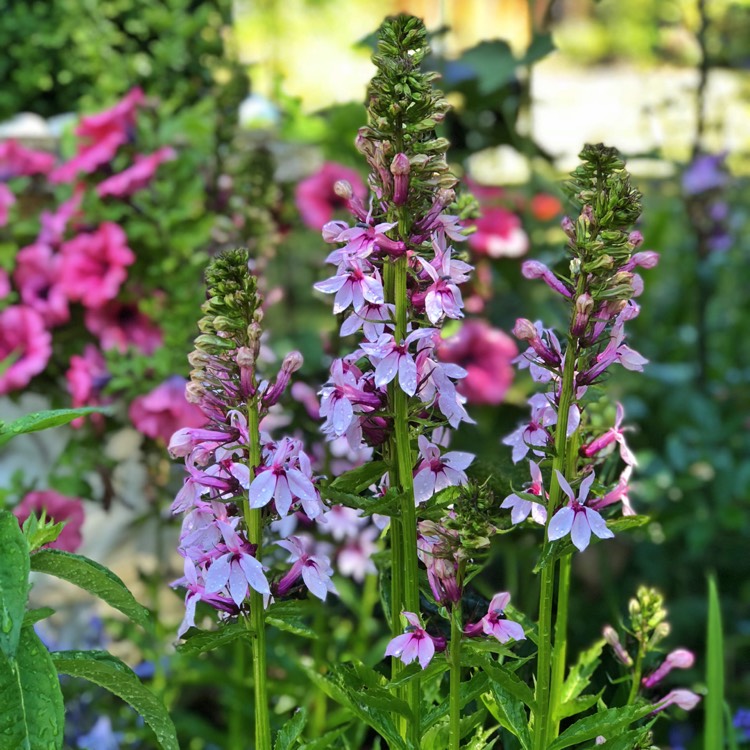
column 354, row 559
column 315, row 570
column 495, row 624
column 55, row 223
column 486, row 354
column 435, row 472
column 89, row 158
column 575, row 518
column 371, row 318
column 16, row 160
column 25, row 347
column 37, row 276
column 687, row 700
column 361, row 241
column 354, row 287
column 315, row 196
column 117, row 119
column 443, row 297
column 614, row 434
column 93, row 265
column 58, row 508
column 137, row 177
column 4, row 284
column 522, row 507
column 391, row 359
column 499, row 235
column 236, row 569
column 86, row 377
column 680, row 658
column 285, row 477
column 7, row 199
column 414, row 644
column 164, row 410
column 119, row 325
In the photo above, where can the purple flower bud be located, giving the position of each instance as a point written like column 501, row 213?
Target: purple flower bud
column 344, row 190
column 533, row 269
column 645, row 259
column 680, row 658
column 635, row 238
column 584, row 307
column 400, row 168
column 613, row 640
column 685, row 699
column 568, row 227
column 292, row 362
column 525, row 330
column 587, row 213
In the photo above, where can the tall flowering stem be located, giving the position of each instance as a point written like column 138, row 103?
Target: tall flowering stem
column 400, row 276
column 599, row 288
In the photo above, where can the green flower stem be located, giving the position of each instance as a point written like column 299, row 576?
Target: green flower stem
column 637, row 672
column 257, row 620
column 237, row 740
column 455, row 677
column 544, row 720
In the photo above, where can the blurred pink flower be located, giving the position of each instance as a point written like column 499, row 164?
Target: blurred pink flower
column 7, row 199
column 315, row 197
column 59, row 508
column 55, row 223
column 499, row 234
column 120, row 325
column 93, row 264
column 25, row 343
column 16, row 160
column 37, row 276
column 163, row 411
column 135, row 178
column 101, row 136
column 486, row 354
column 86, row 377
column 4, row 283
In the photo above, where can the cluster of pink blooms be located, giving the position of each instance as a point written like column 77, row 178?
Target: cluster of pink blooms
column 72, row 262
column 544, row 358
column 220, row 564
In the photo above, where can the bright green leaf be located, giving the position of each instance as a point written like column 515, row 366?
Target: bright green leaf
column 608, row 723
column 43, row 420
column 199, row 641
column 109, row 672
column 91, row 577
column 287, row 736
column 14, row 582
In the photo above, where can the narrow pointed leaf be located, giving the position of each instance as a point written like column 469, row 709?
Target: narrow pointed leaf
column 609, row 723
column 287, row 736
column 199, row 641
column 713, row 728
column 580, row 673
column 31, row 703
column 14, row 582
column 91, row 577
column 109, row 672
column 509, row 711
column 43, row 420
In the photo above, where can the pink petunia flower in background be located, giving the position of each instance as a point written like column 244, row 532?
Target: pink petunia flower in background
column 37, row 276
column 17, row 160
column 4, row 283
column 58, row 508
column 315, row 196
column 7, row 199
column 164, row 410
column 136, row 177
column 56, row 222
column 487, row 355
column 86, row 377
column 120, row 325
column 25, row 346
column 93, row 265
column 499, row 234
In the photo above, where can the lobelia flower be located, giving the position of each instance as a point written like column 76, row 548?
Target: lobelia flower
column 521, row 508
column 354, row 559
column 352, row 286
column 499, row 234
column 495, row 624
column 164, row 410
column 37, row 275
column 486, row 354
column 137, row 177
column 57, row 508
column 435, row 472
column 414, row 644
column 687, row 700
column 315, row 570
column 237, row 569
column 614, row 434
column 196, row 592
column 25, row 347
column 442, row 299
column 575, row 518
column 316, row 198
column 680, row 658
column 93, row 265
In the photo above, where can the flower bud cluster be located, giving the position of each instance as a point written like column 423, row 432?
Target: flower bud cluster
column 221, row 565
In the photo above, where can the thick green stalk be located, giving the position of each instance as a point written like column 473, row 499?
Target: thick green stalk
column 455, row 677
column 257, row 621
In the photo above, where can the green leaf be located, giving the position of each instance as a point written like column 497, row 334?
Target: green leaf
column 199, row 641
column 91, row 577
column 287, row 736
column 492, row 63
column 541, row 45
column 510, row 713
column 609, row 723
column 333, row 686
column 436, row 667
column 325, row 741
column 35, row 615
column 505, row 678
column 371, row 688
column 578, row 705
column 109, row 672
column 359, row 479
column 14, row 582
column 31, row 703
column 713, row 728
column 558, row 549
column 580, row 673
column 43, row 420
column 626, row 740
column 287, row 616
column 470, row 690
